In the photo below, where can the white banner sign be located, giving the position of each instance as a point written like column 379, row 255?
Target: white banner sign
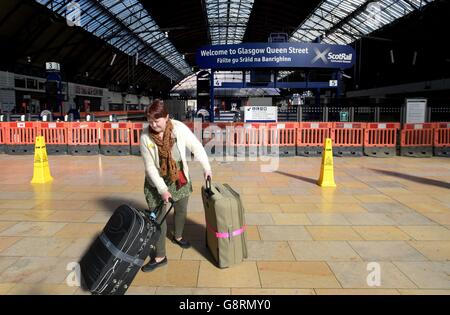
column 416, row 110
column 260, row 113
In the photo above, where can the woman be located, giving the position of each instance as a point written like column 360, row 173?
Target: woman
column 163, row 147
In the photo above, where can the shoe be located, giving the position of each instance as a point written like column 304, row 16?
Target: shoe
column 182, row 243
column 152, row 265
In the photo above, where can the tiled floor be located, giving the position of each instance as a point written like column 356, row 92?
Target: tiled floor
column 302, row 239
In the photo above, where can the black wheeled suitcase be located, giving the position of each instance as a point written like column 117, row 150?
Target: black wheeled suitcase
column 116, row 256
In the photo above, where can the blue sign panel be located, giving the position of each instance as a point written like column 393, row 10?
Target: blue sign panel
column 275, row 55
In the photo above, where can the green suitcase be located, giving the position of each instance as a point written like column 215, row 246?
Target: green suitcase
column 225, row 224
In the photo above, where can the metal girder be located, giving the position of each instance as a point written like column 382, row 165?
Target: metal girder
column 11, row 13
column 47, row 43
column 353, row 24
column 173, row 69
column 221, row 16
column 63, row 45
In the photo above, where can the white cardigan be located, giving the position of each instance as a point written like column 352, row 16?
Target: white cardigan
column 185, row 139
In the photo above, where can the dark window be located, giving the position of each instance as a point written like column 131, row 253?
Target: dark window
column 20, row 83
column 32, row 84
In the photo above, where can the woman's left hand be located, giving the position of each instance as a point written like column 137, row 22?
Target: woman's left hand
column 208, row 174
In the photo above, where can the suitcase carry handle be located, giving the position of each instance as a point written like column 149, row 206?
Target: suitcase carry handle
column 208, row 186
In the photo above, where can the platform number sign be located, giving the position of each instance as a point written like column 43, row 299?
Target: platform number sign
column 52, row 66
column 333, row 83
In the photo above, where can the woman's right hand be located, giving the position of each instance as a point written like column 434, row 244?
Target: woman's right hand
column 166, row 196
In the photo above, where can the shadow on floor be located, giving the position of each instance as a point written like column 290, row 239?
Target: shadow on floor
column 305, row 179
column 194, row 229
column 417, row 179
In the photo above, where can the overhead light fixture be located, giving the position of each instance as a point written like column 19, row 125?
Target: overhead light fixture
column 166, row 34
column 392, row 56
column 346, row 76
column 113, row 59
column 414, row 58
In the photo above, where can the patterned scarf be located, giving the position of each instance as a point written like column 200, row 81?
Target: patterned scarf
column 166, row 162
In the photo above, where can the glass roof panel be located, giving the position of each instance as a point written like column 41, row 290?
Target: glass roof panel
column 227, row 20
column 129, row 27
column 356, row 18
column 344, row 21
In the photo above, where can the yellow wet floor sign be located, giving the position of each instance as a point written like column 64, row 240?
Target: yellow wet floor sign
column 326, row 178
column 41, row 174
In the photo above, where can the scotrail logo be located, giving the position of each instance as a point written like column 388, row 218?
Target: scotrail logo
column 340, row 58
column 326, row 56
column 320, row 55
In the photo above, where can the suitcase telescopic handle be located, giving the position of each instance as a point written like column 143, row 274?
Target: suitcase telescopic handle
column 172, row 202
column 153, row 214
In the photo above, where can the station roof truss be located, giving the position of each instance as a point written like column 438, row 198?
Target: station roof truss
column 227, row 20
column 344, row 21
column 128, row 26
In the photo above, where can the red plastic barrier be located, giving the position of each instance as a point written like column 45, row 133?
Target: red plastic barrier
column 84, row 133
column 348, row 134
column 118, row 113
column 136, row 131
column 313, row 133
column 251, row 134
column 55, row 133
column 442, row 135
column 232, row 135
column 223, row 125
column 211, row 129
column 190, row 125
column 21, row 133
column 115, row 134
column 381, row 134
column 282, row 134
column 2, row 133
column 417, row 135
column 135, row 137
column 206, row 135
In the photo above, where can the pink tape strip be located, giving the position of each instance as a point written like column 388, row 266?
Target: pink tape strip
column 227, row 235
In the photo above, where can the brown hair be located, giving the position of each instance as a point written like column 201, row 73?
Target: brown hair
column 157, row 110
